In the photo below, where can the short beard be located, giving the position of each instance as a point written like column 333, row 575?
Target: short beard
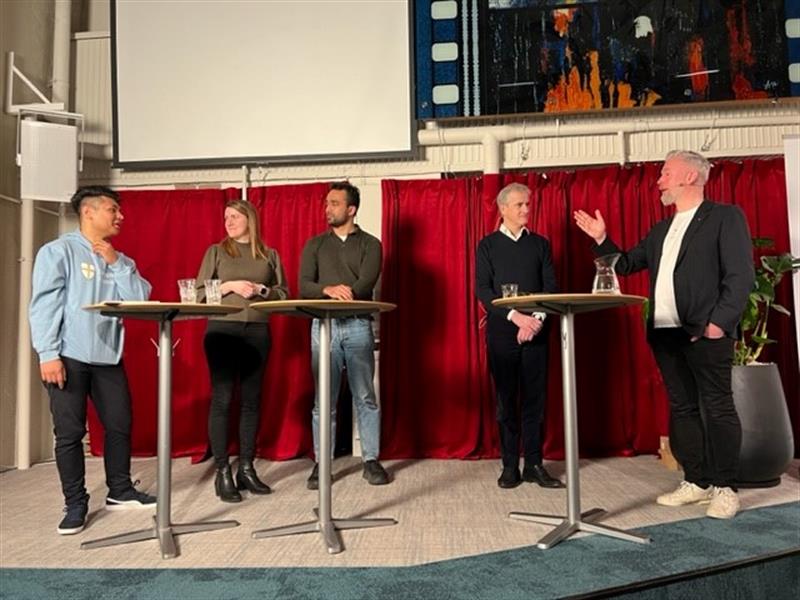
column 333, row 222
column 667, row 198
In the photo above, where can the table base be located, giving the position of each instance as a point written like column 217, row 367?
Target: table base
column 328, row 529
column 165, row 537
column 564, row 527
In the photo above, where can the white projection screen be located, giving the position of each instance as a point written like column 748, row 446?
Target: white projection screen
column 199, row 82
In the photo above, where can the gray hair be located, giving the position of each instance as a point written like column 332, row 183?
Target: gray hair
column 694, row 160
column 502, row 197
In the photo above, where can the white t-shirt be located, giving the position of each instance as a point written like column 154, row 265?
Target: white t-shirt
column 666, row 310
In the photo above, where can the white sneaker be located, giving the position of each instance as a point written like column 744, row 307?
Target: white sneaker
column 724, row 503
column 687, row 493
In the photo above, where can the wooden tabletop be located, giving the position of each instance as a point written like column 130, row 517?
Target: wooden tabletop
column 561, row 303
column 323, row 308
column 154, row 310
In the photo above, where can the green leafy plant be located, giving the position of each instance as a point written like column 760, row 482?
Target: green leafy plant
column 755, row 317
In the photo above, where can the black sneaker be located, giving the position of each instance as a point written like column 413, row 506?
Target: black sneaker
column 374, row 473
column 131, row 499
column 74, row 519
column 312, row 482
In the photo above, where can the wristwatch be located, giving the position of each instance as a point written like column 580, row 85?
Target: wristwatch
column 263, row 291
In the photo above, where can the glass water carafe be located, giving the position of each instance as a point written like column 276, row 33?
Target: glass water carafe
column 605, row 279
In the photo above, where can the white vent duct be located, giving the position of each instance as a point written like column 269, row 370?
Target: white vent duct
column 490, row 137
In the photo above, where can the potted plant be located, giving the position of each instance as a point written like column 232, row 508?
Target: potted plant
column 767, row 442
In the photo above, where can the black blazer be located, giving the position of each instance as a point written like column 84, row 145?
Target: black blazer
column 714, row 271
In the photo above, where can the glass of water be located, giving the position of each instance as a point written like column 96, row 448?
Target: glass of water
column 187, row 290
column 213, row 291
column 509, row 290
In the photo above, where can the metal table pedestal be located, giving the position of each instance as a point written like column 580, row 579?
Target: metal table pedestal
column 163, row 529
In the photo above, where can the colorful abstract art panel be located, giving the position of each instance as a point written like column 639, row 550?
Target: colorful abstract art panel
column 522, row 56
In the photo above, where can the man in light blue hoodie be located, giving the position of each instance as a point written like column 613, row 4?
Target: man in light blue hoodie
column 80, row 351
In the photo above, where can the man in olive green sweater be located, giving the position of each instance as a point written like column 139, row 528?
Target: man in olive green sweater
column 344, row 264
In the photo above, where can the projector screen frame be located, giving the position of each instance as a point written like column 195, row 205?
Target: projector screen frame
column 230, row 161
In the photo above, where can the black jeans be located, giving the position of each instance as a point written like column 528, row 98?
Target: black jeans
column 705, row 432
column 108, row 388
column 520, row 379
column 235, row 350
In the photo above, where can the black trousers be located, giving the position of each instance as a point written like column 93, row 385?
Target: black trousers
column 705, row 432
column 520, row 379
column 108, row 388
column 235, row 351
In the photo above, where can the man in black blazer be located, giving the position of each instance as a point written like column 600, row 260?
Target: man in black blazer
column 701, row 273
column 517, row 343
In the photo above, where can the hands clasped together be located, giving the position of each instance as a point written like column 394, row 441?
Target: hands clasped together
column 246, row 289
column 529, row 327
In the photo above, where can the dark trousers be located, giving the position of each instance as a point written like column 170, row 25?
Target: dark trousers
column 108, row 388
column 520, row 379
column 705, row 432
column 235, row 350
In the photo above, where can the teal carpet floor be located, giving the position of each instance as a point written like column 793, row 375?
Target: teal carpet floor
column 573, row 568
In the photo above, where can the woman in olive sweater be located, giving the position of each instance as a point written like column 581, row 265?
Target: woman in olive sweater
column 237, row 345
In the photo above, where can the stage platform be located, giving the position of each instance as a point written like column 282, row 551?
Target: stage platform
column 453, row 538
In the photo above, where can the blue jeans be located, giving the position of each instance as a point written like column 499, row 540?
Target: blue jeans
column 352, row 345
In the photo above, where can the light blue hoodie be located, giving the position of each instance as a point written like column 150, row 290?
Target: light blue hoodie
column 67, row 275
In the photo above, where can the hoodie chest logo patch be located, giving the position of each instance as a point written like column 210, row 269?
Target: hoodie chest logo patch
column 88, row 270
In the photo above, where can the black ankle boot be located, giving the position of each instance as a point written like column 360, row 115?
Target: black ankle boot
column 247, row 479
column 224, row 486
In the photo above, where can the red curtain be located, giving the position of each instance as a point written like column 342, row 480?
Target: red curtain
column 167, row 233
column 435, row 380
column 432, row 386
column 290, row 215
column 436, row 391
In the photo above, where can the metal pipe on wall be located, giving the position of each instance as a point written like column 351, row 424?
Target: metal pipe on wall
column 439, row 136
column 60, row 93
column 492, row 136
column 491, row 153
column 24, row 359
column 61, row 52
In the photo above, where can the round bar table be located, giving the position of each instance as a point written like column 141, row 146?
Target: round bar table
column 165, row 313
column 324, row 310
column 567, row 306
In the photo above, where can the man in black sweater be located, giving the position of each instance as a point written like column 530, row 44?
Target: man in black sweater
column 517, row 343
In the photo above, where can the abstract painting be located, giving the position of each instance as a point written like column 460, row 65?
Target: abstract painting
column 477, row 57
column 556, row 56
